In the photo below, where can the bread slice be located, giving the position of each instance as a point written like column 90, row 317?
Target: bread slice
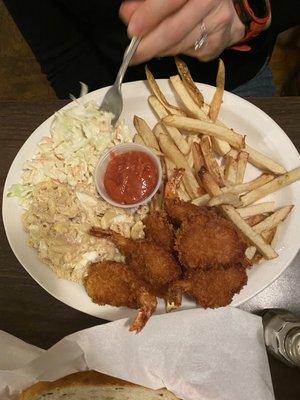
column 92, row 385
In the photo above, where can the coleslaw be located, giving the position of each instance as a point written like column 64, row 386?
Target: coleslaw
column 58, row 194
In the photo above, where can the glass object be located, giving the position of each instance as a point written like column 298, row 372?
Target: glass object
column 282, row 335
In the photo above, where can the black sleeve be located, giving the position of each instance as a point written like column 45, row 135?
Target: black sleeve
column 65, row 53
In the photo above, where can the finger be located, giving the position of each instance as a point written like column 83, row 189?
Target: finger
column 219, row 37
column 210, row 51
column 187, row 43
column 172, row 30
column 218, row 25
column 150, row 14
column 127, row 9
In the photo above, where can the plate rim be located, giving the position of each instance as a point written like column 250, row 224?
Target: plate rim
column 111, row 311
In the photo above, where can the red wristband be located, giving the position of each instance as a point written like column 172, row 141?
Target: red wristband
column 254, row 24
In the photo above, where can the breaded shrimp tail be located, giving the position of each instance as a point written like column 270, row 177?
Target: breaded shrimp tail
column 173, row 184
column 148, row 304
column 124, row 244
column 100, row 233
column 110, row 282
column 175, row 292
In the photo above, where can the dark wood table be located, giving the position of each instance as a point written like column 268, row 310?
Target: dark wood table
column 30, row 313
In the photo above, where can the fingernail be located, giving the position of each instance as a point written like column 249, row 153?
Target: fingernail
column 133, row 29
column 130, row 33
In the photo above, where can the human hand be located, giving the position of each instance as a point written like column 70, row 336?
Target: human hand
column 171, row 27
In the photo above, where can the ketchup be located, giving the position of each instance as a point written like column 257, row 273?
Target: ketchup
column 130, row 177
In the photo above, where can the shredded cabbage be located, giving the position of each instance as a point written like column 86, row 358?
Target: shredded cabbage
column 59, row 196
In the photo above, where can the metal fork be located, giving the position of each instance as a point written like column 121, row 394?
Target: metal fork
column 113, row 100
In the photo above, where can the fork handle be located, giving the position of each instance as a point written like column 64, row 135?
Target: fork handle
column 135, row 41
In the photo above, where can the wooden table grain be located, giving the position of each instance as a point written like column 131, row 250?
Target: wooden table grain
column 30, row 313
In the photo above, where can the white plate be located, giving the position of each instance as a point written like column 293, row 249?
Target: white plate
column 262, row 133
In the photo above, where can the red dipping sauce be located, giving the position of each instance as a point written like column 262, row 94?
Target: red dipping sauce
column 130, row 177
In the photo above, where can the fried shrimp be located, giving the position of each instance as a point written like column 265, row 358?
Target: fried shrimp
column 178, row 210
column 210, row 289
column 112, row 283
column 159, row 230
column 207, row 240
column 149, row 261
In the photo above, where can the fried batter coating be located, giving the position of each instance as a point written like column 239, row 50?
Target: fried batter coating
column 159, row 230
column 210, row 289
column 208, row 240
column 113, row 283
column 149, row 261
column 179, row 210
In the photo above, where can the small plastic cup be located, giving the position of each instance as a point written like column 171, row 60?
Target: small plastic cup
column 101, row 167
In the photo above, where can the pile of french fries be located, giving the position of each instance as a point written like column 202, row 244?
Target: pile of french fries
column 214, row 158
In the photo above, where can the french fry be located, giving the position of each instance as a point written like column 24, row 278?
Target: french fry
column 157, row 107
column 139, row 140
column 242, row 160
column 170, row 167
column 217, row 99
column 220, row 146
column 196, row 126
column 232, row 153
column 273, row 220
column 250, row 252
column 264, row 162
column 160, row 96
column 210, row 185
column 161, row 112
column 230, row 171
column 171, row 151
column 255, row 238
column 146, row 133
column 269, row 235
column 197, row 157
column 256, row 158
column 182, row 194
column 238, row 189
column 275, row 237
column 255, row 219
column 206, row 108
column 198, row 164
column 225, row 198
column 202, row 200
column 255, row 209
column 270, row 187
column 189, row 82
column 259, row 160
column 210, row 160
column 194, row 108
column 251, row 185
column 186, row 99
column 158, row 130
column 189, row 157
column 158, row 153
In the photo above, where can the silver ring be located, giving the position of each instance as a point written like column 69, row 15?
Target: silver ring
column 203, row 38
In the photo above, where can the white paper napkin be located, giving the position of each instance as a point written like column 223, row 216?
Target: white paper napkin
column 197, row 354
